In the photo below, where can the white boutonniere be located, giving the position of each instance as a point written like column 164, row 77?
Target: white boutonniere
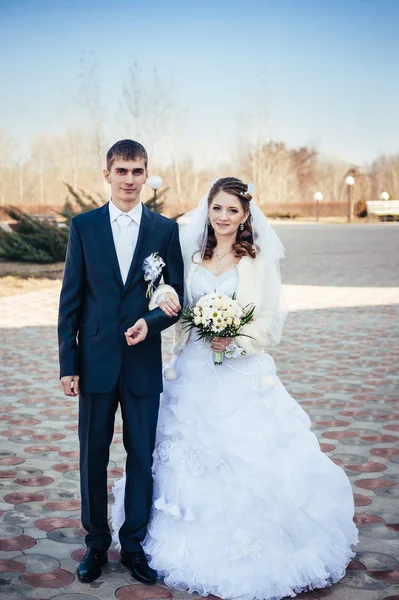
column 152, row 267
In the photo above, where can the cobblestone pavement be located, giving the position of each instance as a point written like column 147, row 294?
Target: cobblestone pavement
column 338, row 357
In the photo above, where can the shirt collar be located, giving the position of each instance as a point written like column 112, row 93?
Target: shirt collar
column 134, row 214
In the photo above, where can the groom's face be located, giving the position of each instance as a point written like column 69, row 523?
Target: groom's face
column 127, row 178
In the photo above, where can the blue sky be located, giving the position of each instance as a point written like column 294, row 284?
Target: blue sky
column 325, row 71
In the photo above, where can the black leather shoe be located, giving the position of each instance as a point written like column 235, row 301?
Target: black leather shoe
column 90, row 567
column 137, row 564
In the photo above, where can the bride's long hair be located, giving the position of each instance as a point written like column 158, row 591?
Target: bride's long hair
column 244, row 244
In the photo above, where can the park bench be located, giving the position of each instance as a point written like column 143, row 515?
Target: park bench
column 386, row 210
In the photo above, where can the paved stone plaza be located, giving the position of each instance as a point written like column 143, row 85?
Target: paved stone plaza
column 339, row 358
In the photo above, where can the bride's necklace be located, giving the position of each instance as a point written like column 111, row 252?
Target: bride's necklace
column 219, row 258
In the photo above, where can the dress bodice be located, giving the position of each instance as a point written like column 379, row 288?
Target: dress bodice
column 205, row 282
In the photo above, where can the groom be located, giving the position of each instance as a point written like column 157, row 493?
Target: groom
column 110, row 350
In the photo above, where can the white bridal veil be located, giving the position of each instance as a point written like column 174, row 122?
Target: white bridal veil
column 193, row 230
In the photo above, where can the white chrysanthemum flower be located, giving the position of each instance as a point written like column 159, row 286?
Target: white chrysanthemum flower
column 216, row 312
column 202, row 301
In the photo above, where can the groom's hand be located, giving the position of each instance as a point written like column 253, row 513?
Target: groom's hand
column 136, row 334
column 70, row 385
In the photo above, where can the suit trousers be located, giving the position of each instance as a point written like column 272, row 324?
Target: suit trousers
column 96, row 428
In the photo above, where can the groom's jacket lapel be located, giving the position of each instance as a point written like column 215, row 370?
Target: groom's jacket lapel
column 140, row 253
column 107, row 241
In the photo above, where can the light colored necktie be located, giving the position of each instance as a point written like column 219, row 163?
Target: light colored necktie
column 124, row 248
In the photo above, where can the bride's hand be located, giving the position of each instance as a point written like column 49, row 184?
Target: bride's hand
column 171, row 305
column 221, row 344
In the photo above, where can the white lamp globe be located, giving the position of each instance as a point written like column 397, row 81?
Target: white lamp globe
column 155, row 182
column 384, row 196
column 318, row 197
column 349, row 180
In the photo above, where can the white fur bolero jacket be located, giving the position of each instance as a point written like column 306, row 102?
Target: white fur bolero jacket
column 258, row 284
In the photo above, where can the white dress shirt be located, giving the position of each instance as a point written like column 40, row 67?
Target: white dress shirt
column 125, row 247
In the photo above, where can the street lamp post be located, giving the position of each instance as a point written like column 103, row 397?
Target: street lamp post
column 318, row 197
column 155, row 182
column 350, row 182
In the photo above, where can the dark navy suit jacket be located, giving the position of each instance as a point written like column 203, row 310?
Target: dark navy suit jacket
column 96, row 308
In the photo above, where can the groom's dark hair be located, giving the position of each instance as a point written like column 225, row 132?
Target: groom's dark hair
column 128, row 150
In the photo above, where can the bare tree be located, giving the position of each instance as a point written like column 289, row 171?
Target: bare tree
column 384, row 173
column 186, row 170
column 91, row 102
column 145, row 107
column 155, row 118
column 45, row 164
column 304, row 161
column 21, row 180
column 271, row 168
column 76, row 154
column 7, row 149
column 329, row 179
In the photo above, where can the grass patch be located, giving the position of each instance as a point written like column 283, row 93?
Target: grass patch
column 21, row 278
column 11, row 285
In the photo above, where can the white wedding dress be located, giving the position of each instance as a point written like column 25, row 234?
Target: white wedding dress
column 245, row 502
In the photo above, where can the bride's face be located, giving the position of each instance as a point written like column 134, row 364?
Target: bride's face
column 226, row 214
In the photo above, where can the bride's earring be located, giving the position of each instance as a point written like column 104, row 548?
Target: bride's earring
column 209, row 222
column 242, row 226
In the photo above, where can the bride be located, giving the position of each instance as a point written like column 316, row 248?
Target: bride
column 245, row 503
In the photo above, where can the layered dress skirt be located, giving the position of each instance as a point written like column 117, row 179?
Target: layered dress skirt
column 245, row 503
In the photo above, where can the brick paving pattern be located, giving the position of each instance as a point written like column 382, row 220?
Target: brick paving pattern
column 338, row 358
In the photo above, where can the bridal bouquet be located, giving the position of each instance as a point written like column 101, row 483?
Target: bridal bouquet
column 217, row 315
